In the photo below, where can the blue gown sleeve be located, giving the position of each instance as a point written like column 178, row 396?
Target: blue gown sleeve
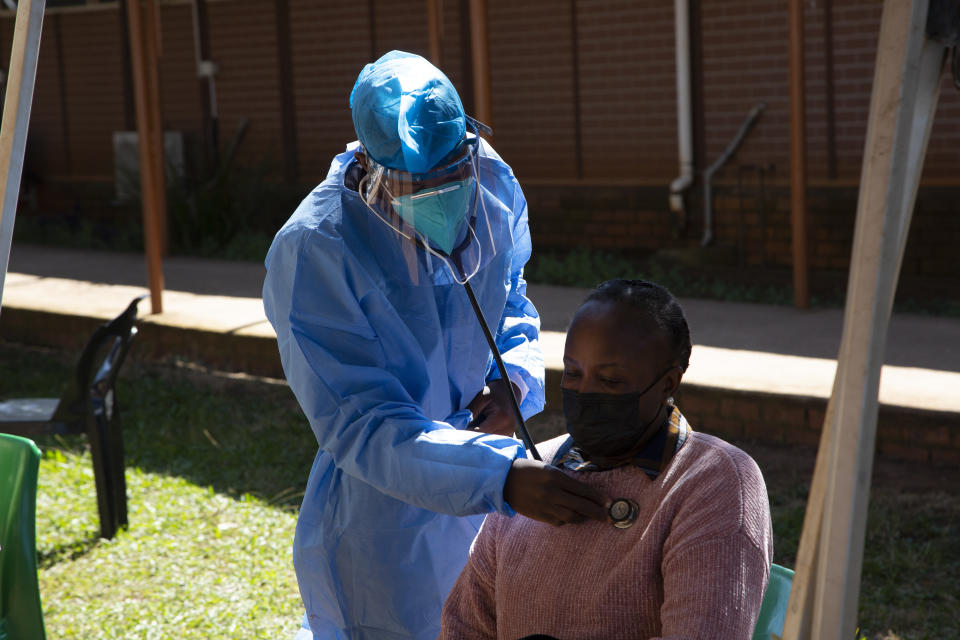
column 518, row 335
column 359, row 411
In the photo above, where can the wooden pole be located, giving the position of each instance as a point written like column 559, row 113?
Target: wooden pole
column 798, row 158
column 905, row 90
column 154, row 50
column 482, row 101
column 288, row 112
column 142, row 43
column 16, row 118
column 435, row 30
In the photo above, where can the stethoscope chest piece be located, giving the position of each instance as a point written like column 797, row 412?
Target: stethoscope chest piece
column 623, row 512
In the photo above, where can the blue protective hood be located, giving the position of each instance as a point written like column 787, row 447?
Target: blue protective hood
column 406, row 112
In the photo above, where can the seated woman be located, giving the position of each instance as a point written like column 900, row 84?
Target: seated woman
column 689, row 553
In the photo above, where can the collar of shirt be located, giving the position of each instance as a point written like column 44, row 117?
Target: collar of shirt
column 652, row 459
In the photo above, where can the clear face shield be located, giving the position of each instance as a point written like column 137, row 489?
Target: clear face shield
column 441, row 217
column 442, row 211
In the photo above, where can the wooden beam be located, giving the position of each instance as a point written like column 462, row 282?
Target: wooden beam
column 372, row 27
column 129, row 110
column 151, row 180
column 153, row 50
column 16, row 118
column 62, row 87
column 906, row 86
column 435, row 31
column 288, row 114
column 480, row 55
column 798, row 158
column 828, row 97
column 466, row 62
column 575, row 78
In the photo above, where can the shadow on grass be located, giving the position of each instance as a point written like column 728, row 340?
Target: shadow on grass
column 239, row 437
column 66, row 551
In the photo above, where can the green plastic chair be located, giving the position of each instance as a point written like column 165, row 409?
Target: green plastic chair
column 21, row 617
column 773, row 610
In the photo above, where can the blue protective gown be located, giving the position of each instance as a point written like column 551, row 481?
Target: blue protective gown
column 384, row 359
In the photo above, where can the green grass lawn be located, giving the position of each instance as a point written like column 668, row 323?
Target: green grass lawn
column 216, row 467
column 215, row 472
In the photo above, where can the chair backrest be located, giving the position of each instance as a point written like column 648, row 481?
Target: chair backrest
column 21, row 616
column 99, row 363
column 773, row 610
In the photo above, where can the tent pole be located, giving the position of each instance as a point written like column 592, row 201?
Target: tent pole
column 905, row 90
column 16, row 118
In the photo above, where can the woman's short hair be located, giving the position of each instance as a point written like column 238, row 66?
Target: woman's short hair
column 658, row 304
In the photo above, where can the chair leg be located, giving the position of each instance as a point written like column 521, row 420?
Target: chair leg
column 114, row 440
column 99, row 451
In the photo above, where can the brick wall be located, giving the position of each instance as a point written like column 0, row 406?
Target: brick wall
column 594, row 76
column 903, row 433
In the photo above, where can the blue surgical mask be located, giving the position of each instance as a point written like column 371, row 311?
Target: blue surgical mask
column 438, row 213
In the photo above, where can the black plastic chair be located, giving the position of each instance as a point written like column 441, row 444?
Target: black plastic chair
column 88, row 405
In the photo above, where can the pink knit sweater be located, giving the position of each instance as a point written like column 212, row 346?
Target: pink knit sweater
column 694, row 565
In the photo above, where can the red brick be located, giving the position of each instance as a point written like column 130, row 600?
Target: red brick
column 945, row 456
column 815, row 418
column 934, row 435
column 743, row 408
column 779, row 411
column 695, row 403
column 723, row 427
column 801, row 436
column 904, row 452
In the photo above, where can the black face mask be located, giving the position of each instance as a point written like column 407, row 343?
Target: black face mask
column 607, row 425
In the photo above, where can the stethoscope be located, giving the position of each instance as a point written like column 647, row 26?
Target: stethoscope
column 623, row 511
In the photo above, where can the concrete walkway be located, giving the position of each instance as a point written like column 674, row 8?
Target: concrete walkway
column 216, row 305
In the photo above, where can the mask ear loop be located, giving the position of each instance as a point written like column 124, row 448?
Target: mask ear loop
column 479, row 195
column 455, row 272
column 370, row 196
column 447, row 260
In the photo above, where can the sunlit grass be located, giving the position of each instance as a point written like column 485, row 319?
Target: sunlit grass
column 193, row 564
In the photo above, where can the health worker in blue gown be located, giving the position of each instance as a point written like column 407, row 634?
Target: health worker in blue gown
column 388, row 361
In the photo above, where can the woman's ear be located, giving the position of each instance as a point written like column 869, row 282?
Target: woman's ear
column 671, row 381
